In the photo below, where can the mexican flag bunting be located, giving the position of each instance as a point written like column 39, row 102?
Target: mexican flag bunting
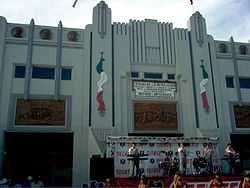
column 203, row 90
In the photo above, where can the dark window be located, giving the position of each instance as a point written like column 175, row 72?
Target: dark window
column 135, row 74
column 19, row 71
column 45, row 34
column 230, row 82
column 17, row 32
column 243, row 50
column 66, row 74
column 72, row 36
column 171, row 76
column 43, row 73
column 152, row 75
column 244, row 83
column 222, row 48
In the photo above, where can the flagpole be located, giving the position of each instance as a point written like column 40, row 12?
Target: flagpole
column 74, row 4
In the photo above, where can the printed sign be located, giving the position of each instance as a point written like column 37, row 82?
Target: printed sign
column 154, row 152
column 154, row 89
column 242, row 116
column 40, row 112
column 155, row 116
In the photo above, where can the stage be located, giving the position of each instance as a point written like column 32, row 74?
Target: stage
column 192, row 182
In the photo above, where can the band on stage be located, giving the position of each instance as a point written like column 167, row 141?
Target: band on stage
column 173, row 162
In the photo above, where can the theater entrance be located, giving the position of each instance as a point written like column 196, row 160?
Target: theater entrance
column 48, row 155
column 241, row 144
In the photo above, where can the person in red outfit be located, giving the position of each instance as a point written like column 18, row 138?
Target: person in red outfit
column 216, row 182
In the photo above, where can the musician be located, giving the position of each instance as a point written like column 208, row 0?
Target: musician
column 182, row 158
column 208, row 152
column 134, row 163
column 232, row 155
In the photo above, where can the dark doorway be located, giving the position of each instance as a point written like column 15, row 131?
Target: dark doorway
column 48, row 155
column 241, row 144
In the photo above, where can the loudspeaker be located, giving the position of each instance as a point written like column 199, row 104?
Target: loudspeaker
column 101, row 168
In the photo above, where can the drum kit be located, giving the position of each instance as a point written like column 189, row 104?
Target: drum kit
column 170, row 165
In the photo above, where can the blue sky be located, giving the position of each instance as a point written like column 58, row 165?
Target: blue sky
column 224, row 18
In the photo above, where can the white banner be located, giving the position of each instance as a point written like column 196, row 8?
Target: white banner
column 154, row 89
column 154, row 150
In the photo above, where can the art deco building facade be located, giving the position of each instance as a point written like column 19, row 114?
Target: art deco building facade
column 63, row 90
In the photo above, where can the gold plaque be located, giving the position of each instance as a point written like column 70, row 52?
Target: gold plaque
column 155, row 116
column 40, row 112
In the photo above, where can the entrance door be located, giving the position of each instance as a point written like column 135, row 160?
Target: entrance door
column 241, row 144
column 48, row 155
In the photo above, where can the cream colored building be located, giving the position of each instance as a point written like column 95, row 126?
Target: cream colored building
column 59, row 72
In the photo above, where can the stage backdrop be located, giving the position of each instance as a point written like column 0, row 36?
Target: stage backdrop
column 40, row 112
column 155, row 148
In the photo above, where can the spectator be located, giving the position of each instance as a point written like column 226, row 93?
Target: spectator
column 216, row 182
column 107, row 183
column 142, row 184
column 37, row 183
column 27, row 181
column 246, row 181
column 178, row 182
column 4, row 183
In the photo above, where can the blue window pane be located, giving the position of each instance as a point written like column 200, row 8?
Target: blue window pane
column 66, row 74
column 230, row 82
column 19, row 71
column 43, row 73
column 244, row 83
column 135, row 74
column 152, row 75
column 171, row 76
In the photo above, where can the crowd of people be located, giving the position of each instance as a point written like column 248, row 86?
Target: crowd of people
column 33, row 182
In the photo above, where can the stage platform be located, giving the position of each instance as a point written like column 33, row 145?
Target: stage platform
column 192, row 182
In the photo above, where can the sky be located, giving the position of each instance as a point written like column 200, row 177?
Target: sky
column 224, row 18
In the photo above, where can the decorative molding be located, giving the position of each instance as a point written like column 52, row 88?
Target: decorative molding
column 28, row 67
column 199, row 30
column 102, row 18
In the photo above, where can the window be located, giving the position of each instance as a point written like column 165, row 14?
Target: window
column 230, row 82
column 19, row 71
column 135, row 74
column 171, row 76
column 72, row 36
column 66, row 74
column 17, row 32
column 45, row 34
column 222, row 48
column 153, row 75
column 244, row 83
column 43, row 73
column 243, row 50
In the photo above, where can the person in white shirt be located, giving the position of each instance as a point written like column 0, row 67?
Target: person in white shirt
column 182, row 158
column 134, row 162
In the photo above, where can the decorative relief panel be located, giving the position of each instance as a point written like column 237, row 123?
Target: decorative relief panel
column 242, row 116
column 155, row 116
column 40, row 112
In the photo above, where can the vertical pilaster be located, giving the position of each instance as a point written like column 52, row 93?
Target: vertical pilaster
column 236, row 71
column 3, row 27
column 28, row 67
column 58, row 61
